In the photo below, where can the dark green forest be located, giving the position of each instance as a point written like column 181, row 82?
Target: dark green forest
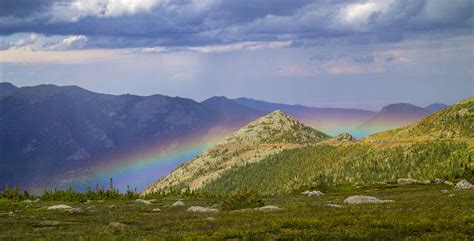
column 326, row 167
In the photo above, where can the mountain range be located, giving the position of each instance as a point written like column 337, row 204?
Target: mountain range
column 257, row 157
column 53, row 136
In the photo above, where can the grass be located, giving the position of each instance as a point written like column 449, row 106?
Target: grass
column 420, row 212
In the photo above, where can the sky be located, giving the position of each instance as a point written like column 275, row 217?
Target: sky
column 340, row 53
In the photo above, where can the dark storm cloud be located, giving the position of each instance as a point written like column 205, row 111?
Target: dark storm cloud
column 193, row 23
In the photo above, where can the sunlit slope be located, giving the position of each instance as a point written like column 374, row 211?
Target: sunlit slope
column 439, row 146
column 254, row 142
column 453, row 123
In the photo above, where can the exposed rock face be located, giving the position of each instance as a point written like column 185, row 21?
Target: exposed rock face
column 464, row 184
column 201, row 209
column 259, row 139
column 364, row 199
column 406, row 181
column 345, row 137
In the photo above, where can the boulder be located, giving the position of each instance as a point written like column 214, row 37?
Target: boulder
column 364, row 199
column 315, row 194
column 143, row 201
column 178, row 203
column 72, row 210
column 27, row 201
column 464, row 184
column 37, row 200
column 210, row 219
column 201, row 209
column 405, row 181
column 156, row 210
column 58, row 207
column 268, row 208
column 330, row 205
column 242, row 210
column 444, row 191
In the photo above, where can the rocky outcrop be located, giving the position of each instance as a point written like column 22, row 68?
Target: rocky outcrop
column 201, row 209
column 364, row 199
column 464, row 184
column 57, row 207
column 345, row 137
column 268, row 208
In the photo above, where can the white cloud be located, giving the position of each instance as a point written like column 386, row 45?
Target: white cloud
column 242, row 46
column 70, row 42
column 358, row 16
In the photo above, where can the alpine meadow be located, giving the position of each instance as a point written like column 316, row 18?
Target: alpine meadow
column 236, row 120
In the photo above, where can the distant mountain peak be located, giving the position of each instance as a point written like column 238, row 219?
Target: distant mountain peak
column 435, row 107
column 6, row 87
column 403, row 108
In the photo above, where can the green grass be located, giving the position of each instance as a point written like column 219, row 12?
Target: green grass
column 420, row 212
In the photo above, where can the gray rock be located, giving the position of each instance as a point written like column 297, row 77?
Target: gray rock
column 444, row 191
column 27, row 201
column 314, row 193
column 72, row 210
column 210, row 219
column 330, row 205
column 61, row 206
column 156, row 210
column 178, row 203
column 405, row 181
column 243, row 210
column 268, row 208
column 464, row 184
column 143, row 201
column 441, row 181
column 365, row 199
column 37, row 200
column 201, row 209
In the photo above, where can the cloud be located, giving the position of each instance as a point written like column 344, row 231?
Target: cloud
column 243, row 46
column 197, row 24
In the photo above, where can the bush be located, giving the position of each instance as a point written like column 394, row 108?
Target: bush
column 240, row 199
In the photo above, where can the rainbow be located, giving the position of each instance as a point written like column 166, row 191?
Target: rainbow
column 143, row 166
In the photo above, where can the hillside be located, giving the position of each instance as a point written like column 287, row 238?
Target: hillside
column 453, row 123
column 436, row 148
column 395, row 116
column 259, row 139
